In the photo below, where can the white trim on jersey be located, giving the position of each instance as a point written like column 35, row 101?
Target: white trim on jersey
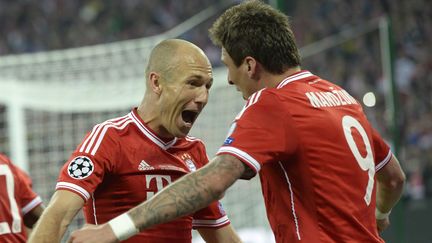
column 298, row 76
column 241, row 154
column 152, row 136
column 31, row 205
column 210, row 222
column 104, row 130
column 381, row 164
column 192, row 139
column 66, row 185
column 252, row 100
column 88, row 143
column 293, row 211
column 94, row 209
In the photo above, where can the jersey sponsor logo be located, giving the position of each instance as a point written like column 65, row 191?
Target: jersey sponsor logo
column 80, row 167
column 188, row 161
column 144, row 166
column 160, row 180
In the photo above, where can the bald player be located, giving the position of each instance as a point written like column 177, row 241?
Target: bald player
column 126, row 160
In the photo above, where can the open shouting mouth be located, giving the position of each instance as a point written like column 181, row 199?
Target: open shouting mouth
column 189, row 116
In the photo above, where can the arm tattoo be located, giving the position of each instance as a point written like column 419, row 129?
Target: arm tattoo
column 190, row 193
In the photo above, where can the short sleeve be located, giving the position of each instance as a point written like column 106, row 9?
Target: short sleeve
column 262, row 132
column 86, row 167
column 213, row 216
column 27, row 198
column 382, row 151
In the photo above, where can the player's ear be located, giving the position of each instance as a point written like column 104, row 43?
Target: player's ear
column 154, row 83
column 251, row 66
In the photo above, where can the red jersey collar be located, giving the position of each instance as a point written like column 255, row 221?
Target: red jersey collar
column 293, row 77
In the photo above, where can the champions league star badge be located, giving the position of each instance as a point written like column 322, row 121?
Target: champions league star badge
column 80, row 167
column 189, row 162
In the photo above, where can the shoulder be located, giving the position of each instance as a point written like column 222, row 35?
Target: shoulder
column 113, row 125
column 15, row 170
column 261, row 101
column 4, row 159
column 191, row 142
column 107, row 132
column 191, row 139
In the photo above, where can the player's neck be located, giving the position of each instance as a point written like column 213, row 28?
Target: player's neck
column 151, row 117
column 272, row 80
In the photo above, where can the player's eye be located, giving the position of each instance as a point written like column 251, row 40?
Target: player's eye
column 209, row 85
column 195, row 83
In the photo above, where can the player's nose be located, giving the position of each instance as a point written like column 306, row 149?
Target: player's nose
column 202, row 96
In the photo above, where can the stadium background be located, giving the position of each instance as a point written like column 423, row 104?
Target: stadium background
column 49, row 97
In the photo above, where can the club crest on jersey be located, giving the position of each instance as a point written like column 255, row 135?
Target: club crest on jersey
column 80, row 167
column 188, row 161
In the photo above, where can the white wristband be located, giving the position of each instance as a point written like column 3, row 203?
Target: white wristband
column 380, row 215
column 123, row 227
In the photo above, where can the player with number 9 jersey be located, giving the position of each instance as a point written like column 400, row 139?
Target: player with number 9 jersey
column 17, row 200
column 325, row 177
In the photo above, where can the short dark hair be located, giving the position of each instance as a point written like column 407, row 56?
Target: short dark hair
column 253, row 28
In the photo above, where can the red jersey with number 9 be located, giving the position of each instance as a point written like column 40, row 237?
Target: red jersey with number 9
column 16, row 199
column 316, row 155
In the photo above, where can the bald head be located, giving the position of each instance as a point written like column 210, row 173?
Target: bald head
column 178, row 78
column 170, row 54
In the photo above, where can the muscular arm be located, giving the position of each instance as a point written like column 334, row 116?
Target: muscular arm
column 390, row 183
column 56, row 217
column 185, row 196
column 190, row 193
column 221, row 235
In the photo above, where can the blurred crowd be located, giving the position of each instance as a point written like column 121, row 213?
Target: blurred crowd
column 33, row 26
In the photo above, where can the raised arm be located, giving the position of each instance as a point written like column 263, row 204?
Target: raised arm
column 390, row 183
column 55, row 219
column 188, row 194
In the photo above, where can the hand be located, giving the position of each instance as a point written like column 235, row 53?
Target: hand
column 382, row 224
column 93, row 234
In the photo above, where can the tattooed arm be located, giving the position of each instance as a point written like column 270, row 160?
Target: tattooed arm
column 187, row 195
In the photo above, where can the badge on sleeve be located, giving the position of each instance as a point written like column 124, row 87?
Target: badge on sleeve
column 80, row 167
column 230, row 139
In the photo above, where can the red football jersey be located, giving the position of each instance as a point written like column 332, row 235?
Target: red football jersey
column 16, row 199
column 122, row 163
column 316, row 155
